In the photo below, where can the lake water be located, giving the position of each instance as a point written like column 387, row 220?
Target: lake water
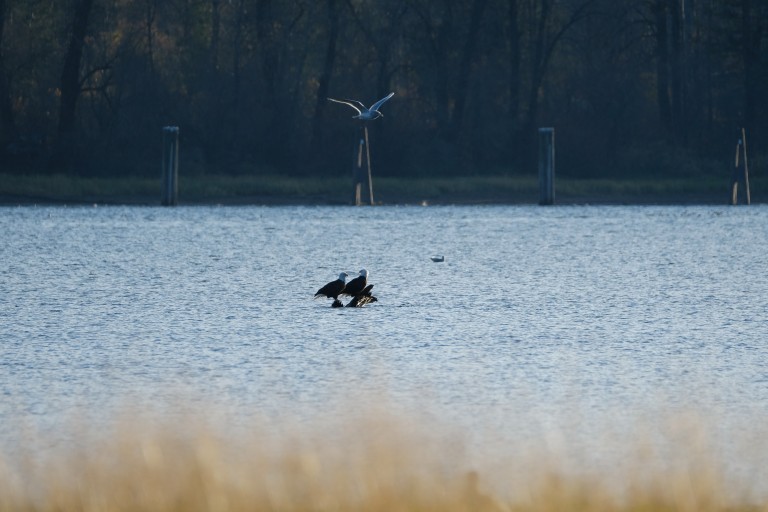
column 543, row 324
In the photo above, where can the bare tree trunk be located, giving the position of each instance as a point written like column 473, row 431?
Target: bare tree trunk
column 514, row 60
column 215, row 31
column 265, row 35
column 662, row 64
column 7, row 122
column 150, row 23
column 438, row 34
column 538, row 67
column 465, row 66
column 70, row 74
column 325, row 77
column 751, row 38
column 546, row 39
column 237, row 50
column 677, row 64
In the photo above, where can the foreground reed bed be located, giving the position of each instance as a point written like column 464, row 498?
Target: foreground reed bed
column 375, row 465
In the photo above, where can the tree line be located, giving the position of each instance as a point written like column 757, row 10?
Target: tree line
column 632, row 87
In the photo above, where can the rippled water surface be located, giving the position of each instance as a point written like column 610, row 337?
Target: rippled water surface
column 553, row 315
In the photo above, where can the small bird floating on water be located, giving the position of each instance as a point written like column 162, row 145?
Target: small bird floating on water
column 364, row 113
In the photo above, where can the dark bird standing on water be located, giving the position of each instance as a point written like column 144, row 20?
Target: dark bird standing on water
column 333, row 289
column 357, row 285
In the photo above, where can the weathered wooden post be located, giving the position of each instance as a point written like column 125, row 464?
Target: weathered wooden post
column 170, row 185
column 368, row 158
column 358, row 173
column 735, row 176
column 746, row 165
column 740, row 172
column 357, row 170
column 546, row 166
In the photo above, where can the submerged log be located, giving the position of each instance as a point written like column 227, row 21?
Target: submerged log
column 359, row 300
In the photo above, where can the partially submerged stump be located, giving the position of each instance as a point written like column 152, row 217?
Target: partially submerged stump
column 359, row 300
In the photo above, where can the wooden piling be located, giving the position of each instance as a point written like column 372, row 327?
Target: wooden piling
column 746, row 164
column 357, row 171
column 740, row 171
column 359, row 174
column 368, row 157
column 735, row 176
column 546, row 166
column 170, row 185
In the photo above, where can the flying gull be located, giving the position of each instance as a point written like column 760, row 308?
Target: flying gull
column 334, row 288
column 364, row 113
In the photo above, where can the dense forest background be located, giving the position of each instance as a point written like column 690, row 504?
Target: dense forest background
column 632, row 87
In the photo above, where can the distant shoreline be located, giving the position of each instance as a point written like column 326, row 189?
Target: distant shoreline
column 17, row 190
column 256, row 200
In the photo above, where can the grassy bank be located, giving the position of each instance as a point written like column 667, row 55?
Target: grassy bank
column 40, row 189
column 375, row 464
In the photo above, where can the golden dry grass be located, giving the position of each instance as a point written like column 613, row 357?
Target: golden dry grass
column 376, row 464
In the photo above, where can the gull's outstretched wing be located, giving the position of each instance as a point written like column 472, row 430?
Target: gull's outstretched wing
column 379, row 103
column 360, row 104
column 344, row 102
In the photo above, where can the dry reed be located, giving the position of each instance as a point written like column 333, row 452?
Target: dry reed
column 375, row 463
